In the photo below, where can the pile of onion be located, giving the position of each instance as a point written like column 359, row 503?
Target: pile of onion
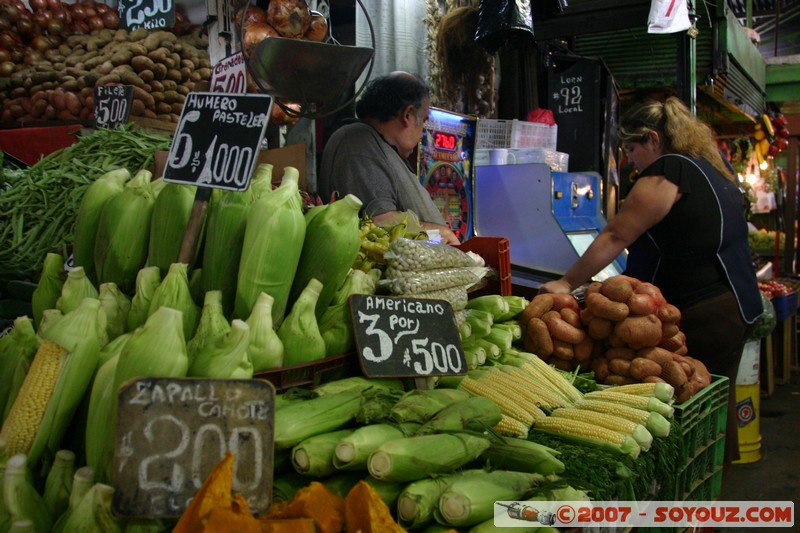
column 282, row 18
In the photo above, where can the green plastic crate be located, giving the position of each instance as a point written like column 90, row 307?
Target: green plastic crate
column 702, row 419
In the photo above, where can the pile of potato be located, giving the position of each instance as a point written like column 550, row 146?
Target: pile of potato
column 626, row 332
column 161, row 66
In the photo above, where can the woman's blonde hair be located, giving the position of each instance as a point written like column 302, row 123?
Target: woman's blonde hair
column 681, row 132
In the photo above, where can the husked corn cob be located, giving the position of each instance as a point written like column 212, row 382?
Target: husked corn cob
column 608, row 421
column 520, row 409
column 662, row 391
column 539, row 369
column 504, row 381
column 654, row 422
column 632, row 400
column 19, row 429
column 590, row 434
column 549, row 396
column 511, row 427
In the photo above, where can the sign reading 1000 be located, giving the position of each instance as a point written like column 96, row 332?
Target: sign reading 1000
column 217, row 140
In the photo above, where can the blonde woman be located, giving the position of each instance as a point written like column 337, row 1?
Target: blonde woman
column 684, row 226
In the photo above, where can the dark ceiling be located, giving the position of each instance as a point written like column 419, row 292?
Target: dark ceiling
column 777, row 23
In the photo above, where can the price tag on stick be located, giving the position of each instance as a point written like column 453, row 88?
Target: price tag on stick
column 230, row 75
column 406, row 337
column 148, row 14
column 172, row 431
column 112, row 105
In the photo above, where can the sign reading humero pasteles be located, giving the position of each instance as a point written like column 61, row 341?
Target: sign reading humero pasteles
column 406, row 337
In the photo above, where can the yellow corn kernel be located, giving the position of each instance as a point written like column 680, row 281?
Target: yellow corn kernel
column 541, row 370
column 526, row 395
column 507, row 405
column 605, row 420
column 549, row 397
column 633, row 414
column 511, row 427
column 25, row 416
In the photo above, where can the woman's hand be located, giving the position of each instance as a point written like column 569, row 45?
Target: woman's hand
column 558, row 286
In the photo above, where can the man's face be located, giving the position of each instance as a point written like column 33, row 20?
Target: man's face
column 413, row 133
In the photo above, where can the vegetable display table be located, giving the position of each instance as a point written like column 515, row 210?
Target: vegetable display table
column 31, row 144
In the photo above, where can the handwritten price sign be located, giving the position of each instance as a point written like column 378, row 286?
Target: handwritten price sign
column 406, row 337
column 148, row 14
column 112, row 105
column 230, row 75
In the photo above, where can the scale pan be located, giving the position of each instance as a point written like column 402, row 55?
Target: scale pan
column 307, row 71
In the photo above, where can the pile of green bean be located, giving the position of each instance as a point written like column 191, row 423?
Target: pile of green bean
column 38, row 205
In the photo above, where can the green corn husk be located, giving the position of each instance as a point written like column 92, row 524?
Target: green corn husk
column 476, row 413
column 76, row 287
column 87, row 218
column 513, row 327
column 146, row 525
column 225, row 358
column 492, row 350
column 94, row 513
column 212, row 325
column 266, row 348
column 171, row 211
column 469, row 498
column 101, row 400
column 480, row 321
column 16, row 353
column 147, row 281
column 376, row 406
column 303, row 419
column 352, row 451
column 49, row 317
column 285, row 486
column 421, row 405
column 21, row 498
column 82, row 481
column 123, row 231
column 58, row 483
column 516, row 304
column 495, row 304
column 360, row 384
column 335, row 324
column 48, row 290
column 82, row 333
column 22, row 526
column 523, row 456
column 419, row 500
column 174, row 292
column 413, row 458
column 314, row 456
column 196, row 286
column 501, row 337
column 488, row 526
column 112, row 349
column 273, row 241
column 299, row 332
column 116, row 307
column 331, row 244
column 225, row 227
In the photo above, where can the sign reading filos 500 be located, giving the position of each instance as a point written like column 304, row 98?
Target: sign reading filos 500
column 112, row 105
column 217, row 140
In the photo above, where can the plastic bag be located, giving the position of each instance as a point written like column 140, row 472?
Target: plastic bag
column 411, row 255
column 500, row 21
column 457, row 296
column 412, row 282
column 668, row 16
column 766, row 321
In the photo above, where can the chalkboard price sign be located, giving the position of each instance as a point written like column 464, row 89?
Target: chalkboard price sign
column 217, row 140
column 112, row 105
column 173, row 431
column 148, row 14
column 406, row 337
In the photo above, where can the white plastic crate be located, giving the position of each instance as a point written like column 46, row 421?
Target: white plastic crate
column 515, row 133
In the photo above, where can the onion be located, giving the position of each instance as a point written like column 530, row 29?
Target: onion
column 95, row 23
column 80, row 27
column 6, row 68
column 4, row 23
column 101, row 8
column 255, row 33
column 318, row 29
column 26, row 27
column 33, row 56
column 78, row 11
column 12, row 13
column 38, row 5
column 41, row 43
column 9, row 40
column 290, row 18
column 56, row 27
column 90, row 11
column 62, row 15
column 5, row 55
column 54, row 4
column 110, row 20
column 254, row 14
column 41, row 19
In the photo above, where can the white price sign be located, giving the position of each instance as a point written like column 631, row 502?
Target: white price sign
column 230, row 75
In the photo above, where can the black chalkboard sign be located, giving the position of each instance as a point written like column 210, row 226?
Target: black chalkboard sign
column 406, row 337
column 148, row 14
column 217, row 140
column 172, row 431
column 112, row 105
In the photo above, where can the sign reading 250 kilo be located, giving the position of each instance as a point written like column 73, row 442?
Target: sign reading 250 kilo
column 148, row 14
column 406, row 337
column 217, row 140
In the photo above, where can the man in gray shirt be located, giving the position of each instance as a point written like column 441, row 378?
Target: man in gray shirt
column 369, row 158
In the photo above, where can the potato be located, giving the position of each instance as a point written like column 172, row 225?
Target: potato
column 622, row 352
column 642, row 304
column 600, row 328
column 653, row 379
column 614, row 341
column 163, row 108
column 620, row 367
column 650, row 289
column 137, row 108
column 140, row 63
column 538, row 306
column 586, row 316
column 563, row 350
column 560, row 301
column 616, row 289
column 561, row 330
column 671, row 343
column 571, row 317
column 674, row 374
column 562, row 364
column 600, row 368
column 669, row 313
column 639, row 331
column 73, row 103
column 656, row 354
column 615, row 379
column 641, row 368
column 594, row 286
column 537, row 338
column 601, row 306
column 669, row 329
column 583, row 350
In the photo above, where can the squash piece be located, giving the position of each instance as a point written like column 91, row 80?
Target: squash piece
column 320, row 503
column 215, row 492
column 276, row 511
column 289, row 525
column 236, row 517
column 366, row 512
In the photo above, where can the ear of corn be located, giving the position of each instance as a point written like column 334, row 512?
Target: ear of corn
column 494, row 304
column 331, row 244
column 101, row 399
column 299, row 420
column 47, row 291
column 523, row 410
column 226, row 358
column 82, row 481
column 470, row 496
column 511, row 427
column 418, row 456
column 655, row 423
column 147, row 281
column 335, row 324
column 662, row 391
column 544, row 372
column 171, row 211
column 522, row 455
column 266, row 348
column 76, row 287
column 212, row 325
column 474, row 354
column 420, row 405
column 120, row 247
column 608, row 421
column 94, row 512
column 273, row 242
column 16, row 349
column 513, row 327
column 49, row 317
column 547, row 396
column 116, row 307
column 516, row 304
column 302, row 340
column 58, row 483
column 473, row 414
column 632, row 400
column 419, row 500
column 26, row 414
column 88, row 217
column 314, row 456
column 353, row 450
column 481, row 321
column 22, row 500
column 502, row 337
column 518, row 388
column 173, row 292
column 588, row 433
